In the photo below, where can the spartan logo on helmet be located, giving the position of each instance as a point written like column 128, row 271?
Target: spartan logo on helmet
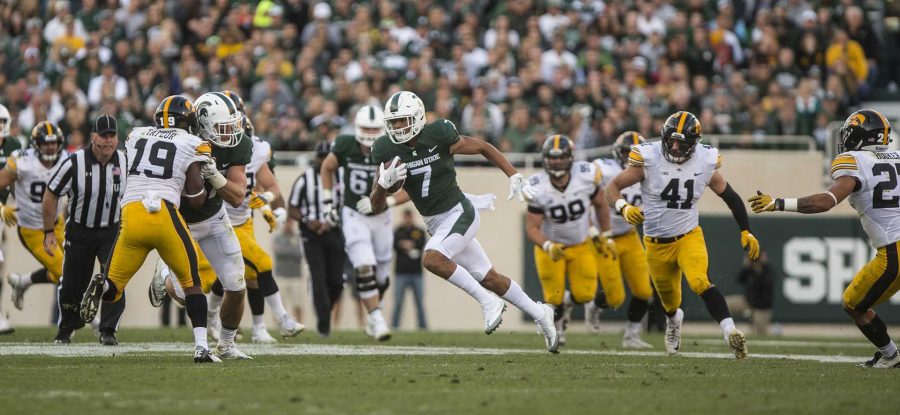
column 220, row 121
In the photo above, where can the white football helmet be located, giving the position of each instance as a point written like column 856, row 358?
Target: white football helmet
column 220, row 121
column 5, row 120
column 369, row 117
column 404, row 105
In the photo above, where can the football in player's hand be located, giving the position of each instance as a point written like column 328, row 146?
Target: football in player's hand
column 396, row 187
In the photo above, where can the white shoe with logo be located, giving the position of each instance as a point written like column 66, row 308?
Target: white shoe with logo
column 673, row 333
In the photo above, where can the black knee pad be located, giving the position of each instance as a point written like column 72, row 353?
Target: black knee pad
column 256, row 301
column 382, row 288
column 267, row 285
column 365, row 279
column 217, row 288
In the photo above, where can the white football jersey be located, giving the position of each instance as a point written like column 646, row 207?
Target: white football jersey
column 670, row 191
column 262, row 153
column 609, row 169
column 158, row 159
column 878, row 198
column 567, row 212
column 31, row 181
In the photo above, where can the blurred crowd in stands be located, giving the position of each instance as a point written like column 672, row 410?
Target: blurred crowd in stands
column 509, row 72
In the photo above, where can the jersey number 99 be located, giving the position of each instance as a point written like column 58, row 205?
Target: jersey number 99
column 569, row 212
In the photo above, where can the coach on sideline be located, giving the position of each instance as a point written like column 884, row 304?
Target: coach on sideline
column 94, row 179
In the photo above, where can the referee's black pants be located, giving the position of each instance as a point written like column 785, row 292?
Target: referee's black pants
column 325, row 256
column 83, row 247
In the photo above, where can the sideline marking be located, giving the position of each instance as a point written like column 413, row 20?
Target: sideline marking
column 93, row 350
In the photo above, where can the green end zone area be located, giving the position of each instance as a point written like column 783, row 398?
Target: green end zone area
column 439, row 373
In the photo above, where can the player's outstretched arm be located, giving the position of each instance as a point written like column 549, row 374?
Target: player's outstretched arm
column 235, row 189
column 472, row 145
column 816, row 203
column 265, row 181
column 749, row 242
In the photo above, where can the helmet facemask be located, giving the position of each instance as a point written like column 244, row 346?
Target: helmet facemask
column 558, row 165
column 404, row 117
column 685, row 147
column 369, row 125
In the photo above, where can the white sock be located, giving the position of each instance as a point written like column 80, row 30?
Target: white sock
column 889, row 350
column 200, row 337
column 213, row 302
column 105, row 286
column 727, row 326
column 464, row 281
column 677, row 318
column 226, row 336
column 274, row 302
column 632, row 328
column 376, row 314
column 25, row 281
column 259, row 320
column 517, row 297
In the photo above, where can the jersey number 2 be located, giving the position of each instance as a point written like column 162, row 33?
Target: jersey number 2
column 672, row 196
column 878, row 200
column 165, row 161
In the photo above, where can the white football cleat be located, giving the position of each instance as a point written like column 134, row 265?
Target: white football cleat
column 213, row 325
column 888, row 362
column 157, row 290
column 634, row 341
column 5, row 327
column 17, row 285
column 592, row 316
column 673, row 333
column 738, row 343
column 377, row 328
column 288, row 327
column 230, row 351
column 259, row 334
column 202, row 355
column 493, row 314
column 548, row 328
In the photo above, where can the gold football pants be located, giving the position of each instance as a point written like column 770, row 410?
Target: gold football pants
column 667, row 262
column 580, row 264
column 630, row 262
column 256, row 260
column 33, row 241
column 876, row 282
column 141, row 232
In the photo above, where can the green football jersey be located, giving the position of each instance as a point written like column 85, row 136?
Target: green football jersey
column 226, row 157
column 358, row 169
column 431, row 178
column 9, row 145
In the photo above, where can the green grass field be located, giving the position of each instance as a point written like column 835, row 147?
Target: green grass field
column 439, row 373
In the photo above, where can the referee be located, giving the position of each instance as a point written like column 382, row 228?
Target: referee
column 93, row 178
column 322, row 240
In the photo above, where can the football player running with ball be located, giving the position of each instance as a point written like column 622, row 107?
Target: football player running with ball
column 558, row 222
column 629, row 259
column 866, row 173
column 673, row 174
column 419, row 158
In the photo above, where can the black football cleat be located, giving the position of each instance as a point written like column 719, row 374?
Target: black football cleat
column 108, row 338
column 871, row 362
column 90, row 303
column 202, row 355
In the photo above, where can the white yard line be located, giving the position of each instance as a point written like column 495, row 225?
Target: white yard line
column 93, row 350
column 791, row 343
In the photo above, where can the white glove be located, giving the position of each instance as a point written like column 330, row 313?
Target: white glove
column 280, row 216
column 520, row 188
column 332, row 216
column 392, row 174
column 211, row 173
column 364, row 205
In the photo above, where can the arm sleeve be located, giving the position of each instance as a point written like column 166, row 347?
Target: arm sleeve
column 61, row 180
column 738, row 210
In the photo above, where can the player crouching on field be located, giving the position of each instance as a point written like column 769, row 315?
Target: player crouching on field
column 866, row 172
column 558, row 222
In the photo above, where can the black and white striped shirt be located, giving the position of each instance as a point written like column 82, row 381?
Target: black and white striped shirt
column 94, row 189
column 306, row 195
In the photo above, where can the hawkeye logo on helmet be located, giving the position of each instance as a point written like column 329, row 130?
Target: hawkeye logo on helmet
column 858, row 120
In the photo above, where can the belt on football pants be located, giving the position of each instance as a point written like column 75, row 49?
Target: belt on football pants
column 666, row 240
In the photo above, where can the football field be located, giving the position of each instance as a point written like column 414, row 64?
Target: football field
column 439, row 373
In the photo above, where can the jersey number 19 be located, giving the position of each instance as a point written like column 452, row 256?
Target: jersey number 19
column 165, row 161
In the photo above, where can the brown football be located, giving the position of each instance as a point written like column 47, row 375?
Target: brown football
column 396, row 187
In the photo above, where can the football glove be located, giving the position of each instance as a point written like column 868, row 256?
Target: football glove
column 519, row 187
column 9, row 215
column 556, row 250
column 258, row 200
column 274, row 218
column 364, row 205
column 211, row 174
column 763, row 203
column 631, row 213
column 603, row 243
column 394, row 173
column 750, row 244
